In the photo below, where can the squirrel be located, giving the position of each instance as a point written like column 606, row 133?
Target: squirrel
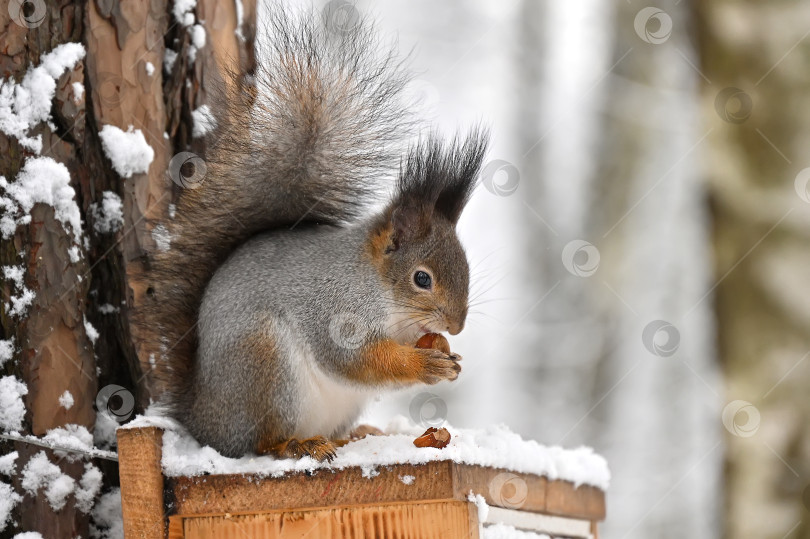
column 279, row 248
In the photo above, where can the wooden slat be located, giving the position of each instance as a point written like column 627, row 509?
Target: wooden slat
column 434, row 480
column 424, row 520
column 500, row 487
column 235, row 493
column 582, row 502
column 139, row 454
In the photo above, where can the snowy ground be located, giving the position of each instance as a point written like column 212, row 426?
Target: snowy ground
column 495, row 446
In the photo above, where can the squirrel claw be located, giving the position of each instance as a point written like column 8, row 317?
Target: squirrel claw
column 439, row 366
column 318, row 447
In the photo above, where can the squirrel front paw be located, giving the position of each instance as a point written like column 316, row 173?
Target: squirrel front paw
column 438, row 366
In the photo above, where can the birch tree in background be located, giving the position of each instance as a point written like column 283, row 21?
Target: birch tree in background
column 97, row 97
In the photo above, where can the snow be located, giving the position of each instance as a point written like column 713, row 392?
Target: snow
column 198, row 36
column 204, row 121
column 182, row 11
column 169, row 57
column 19, row 303
column 39, row 473
column 8, row 499
column 481, row 504
column 494, row 446
column 14, row 273
column 41, row 180
column 104, row 431
column 162, row 238
column 150, row 68
column 28, row 535
column 108, row 216
column 108, row 308
column 12, row 408
column 89, row 487
column 197, row 41
column 66, row 400
column 127, row 150
column 240, row 16
column 78, row 92
column 24, row 105
column 70, row 436
column 8, row 463
column 108, row 520
column 504, row 531
column 407, row 479
column 92, row 333
column 58, row 491
column 6, row 350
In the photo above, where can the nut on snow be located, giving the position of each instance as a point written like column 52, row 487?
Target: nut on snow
column 433, row 437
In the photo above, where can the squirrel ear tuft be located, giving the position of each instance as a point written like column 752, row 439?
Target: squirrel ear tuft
column 443, row 176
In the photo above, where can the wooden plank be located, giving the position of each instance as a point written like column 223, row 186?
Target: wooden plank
column 552, row 525
column 588, row 502
column 139, row 454
column 424, row 520
column 500, row 488
column 434, row 480
column 235, row 493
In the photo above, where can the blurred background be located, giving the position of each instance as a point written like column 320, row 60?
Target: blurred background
column 640, row 240
column 639, row 246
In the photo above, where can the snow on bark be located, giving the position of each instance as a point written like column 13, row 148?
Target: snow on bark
column 41, row 180
column 127, row 150
column 24, row 105
column 12, row 408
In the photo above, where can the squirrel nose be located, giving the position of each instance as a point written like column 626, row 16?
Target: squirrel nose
column 454, row 328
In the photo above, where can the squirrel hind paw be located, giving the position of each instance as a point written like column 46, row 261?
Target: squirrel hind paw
column 317, row 447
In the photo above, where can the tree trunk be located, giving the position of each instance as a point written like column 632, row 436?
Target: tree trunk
column 756, row 96
column 54, row 341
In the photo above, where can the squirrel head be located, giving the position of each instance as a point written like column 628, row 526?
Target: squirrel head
column 414, row 243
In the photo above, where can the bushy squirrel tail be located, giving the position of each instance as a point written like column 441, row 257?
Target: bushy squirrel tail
column 309, row 138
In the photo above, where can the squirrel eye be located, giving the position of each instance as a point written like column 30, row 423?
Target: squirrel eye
column 422, row 279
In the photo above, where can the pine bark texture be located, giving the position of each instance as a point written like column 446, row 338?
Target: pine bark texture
column 126, row 86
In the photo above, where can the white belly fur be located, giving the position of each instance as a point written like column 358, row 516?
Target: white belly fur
column 326, row 404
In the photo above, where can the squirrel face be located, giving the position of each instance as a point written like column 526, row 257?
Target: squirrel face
column 430, row 281
column 427, row 275
column 413, row 242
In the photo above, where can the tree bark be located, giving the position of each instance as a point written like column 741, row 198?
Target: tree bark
column 52, row 350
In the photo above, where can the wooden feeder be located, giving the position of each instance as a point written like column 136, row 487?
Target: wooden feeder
column 341, row 503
